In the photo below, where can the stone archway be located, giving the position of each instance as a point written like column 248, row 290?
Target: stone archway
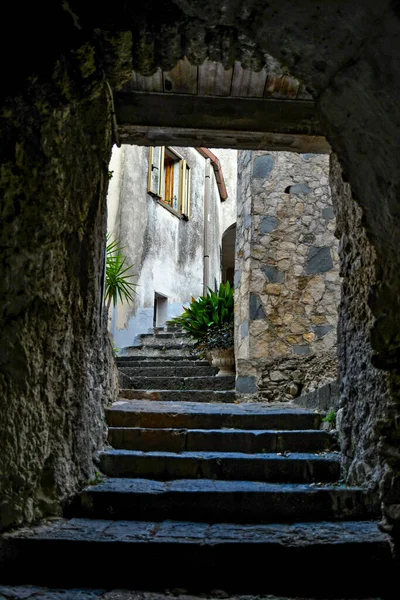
column 56, row 127
column 228, row 254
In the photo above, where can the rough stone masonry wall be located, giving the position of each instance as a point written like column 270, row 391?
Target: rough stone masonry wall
column 365, row 413
column 56, row 363
column 288, row 286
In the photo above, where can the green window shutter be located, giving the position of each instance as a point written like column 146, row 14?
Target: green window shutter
column 156, row 170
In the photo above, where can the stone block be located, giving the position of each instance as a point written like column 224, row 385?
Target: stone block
column 319, row 260
column 236, row 281
column 273, row 289
column 318, row 320
column 268, row 224
column 301, row 350
column 309, row 337
column 275, row 319
column 284, row 264
column 246, row 158
column 246, row 384
column 256, row 308
column 273, row 274
column 294, row 339
column 321, row 330
column 299, row 188
column 307, row 238
column 244, row 329
column 263, row 166
column 299, row 209
column 278, row 376
column 324, row 398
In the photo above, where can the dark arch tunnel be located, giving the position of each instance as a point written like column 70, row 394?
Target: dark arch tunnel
column 56, row 136
column 228, row 254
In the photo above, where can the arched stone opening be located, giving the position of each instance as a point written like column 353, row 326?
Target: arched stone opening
column 54, row 180
column 228, row 254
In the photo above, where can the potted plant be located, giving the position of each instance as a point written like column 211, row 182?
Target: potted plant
column 209, row 321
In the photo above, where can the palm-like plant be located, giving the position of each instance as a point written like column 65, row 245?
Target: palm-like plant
column 118, row 285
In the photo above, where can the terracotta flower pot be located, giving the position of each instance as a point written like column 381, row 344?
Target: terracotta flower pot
column 224, row 360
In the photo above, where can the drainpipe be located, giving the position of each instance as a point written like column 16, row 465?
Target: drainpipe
column 206, row 264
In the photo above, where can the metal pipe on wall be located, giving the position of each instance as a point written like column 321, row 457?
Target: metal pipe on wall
column 206, row 265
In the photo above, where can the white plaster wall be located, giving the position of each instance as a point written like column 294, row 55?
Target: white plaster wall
column 114, row 187
column 228, row 160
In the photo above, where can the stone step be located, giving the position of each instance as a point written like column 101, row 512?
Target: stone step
column 204, row 500
column 179, row 395
column 308, row 560
column 165, row 335
column 293, row 467
column 225, row 440
column 195, row 415
column 166, row 370
column 180, row 383
column 165, row 340
column 133, row 361
column 174, row 329
column 160, row 350
column 22, row 592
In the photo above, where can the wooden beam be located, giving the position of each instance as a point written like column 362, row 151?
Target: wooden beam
column 140, row 135
column 216, row 113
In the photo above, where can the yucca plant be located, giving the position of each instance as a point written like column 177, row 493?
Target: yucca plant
column 118, row 286
column 209, row 319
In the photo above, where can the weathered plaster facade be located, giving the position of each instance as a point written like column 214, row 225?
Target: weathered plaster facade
column 167, row 251
column 287, row 275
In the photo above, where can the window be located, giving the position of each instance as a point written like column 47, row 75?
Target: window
column 169, row 179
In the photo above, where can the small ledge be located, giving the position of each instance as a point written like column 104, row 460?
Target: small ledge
column 168, row 207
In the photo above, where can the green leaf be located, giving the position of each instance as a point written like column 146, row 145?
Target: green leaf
column 118, row 275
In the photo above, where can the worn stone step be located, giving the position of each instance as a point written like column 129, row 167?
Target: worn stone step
column 143, row 370
column 195, row 415
column 179, row 395
column 293, row 467
column 165, row 335
column 165, row 340
column 22, row 592
column 205, row 500
column 225, row 440
column 160, row 350
column 308, row 560
column 191, row 360
column 180, row 383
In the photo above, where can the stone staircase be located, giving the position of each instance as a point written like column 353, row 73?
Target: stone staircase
column 165, row 367
column 203, row 495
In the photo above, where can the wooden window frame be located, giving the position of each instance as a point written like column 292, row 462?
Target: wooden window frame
column 164, row 190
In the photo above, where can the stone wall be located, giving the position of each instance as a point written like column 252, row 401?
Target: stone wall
column 365, row 404
column 56, row 362
column 287, row 275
